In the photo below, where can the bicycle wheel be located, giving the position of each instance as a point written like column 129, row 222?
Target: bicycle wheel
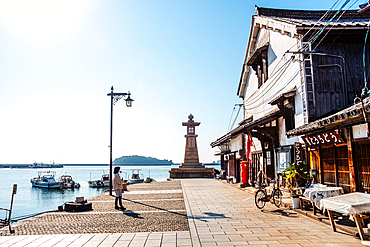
column 277, row 197
column 259, row 199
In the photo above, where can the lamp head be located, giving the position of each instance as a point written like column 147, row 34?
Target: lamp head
column 129, row 100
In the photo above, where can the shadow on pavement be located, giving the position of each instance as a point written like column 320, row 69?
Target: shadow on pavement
column 153, row 207
column 281, row 212
column 132, row 214
column 209, row 216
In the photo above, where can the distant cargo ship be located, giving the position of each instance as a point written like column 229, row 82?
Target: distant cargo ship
column 33, row 165
column 44, row 165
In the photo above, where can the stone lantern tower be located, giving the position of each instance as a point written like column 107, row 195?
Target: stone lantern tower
column 191, row 149
column 191, row 168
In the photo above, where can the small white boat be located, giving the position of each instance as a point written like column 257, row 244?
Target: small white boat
column 135, row 177
column 45, row 179
column 103, row 182
column 68, row 182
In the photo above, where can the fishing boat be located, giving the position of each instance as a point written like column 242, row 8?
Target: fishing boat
column 45, row 179
column 135, row 177
column 68, row 182
column 103, row 182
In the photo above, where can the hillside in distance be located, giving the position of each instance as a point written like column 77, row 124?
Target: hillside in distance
column 139, row 160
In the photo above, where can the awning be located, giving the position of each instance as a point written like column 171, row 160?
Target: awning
column 257, row 53
column 227, row 152
column 245, row 128
column 352, row 115
column 290, row 93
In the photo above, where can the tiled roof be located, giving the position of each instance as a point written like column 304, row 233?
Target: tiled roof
column 274, row 114
column 308, row 18
column 344, row 118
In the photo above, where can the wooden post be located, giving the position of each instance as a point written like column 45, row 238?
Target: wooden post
column 321, row 166
column 336, row 167
column 352, row 175
column 332, row 223
column 359, row 226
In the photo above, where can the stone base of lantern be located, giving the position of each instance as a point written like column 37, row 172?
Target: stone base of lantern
column 191, row 170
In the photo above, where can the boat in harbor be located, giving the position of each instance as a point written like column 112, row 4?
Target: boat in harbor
column 135, row 177
column 46, row 179
column 103, row 182
column 68, row 182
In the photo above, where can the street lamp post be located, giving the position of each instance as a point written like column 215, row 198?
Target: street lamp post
column 114, row 97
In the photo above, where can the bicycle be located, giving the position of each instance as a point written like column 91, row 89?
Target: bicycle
column 261, row 196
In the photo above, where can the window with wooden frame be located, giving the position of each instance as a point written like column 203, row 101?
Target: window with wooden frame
column 289, row 114
column 285, row 102
column 259, row 63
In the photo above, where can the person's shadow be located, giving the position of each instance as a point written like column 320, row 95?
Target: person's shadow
column 132, row 214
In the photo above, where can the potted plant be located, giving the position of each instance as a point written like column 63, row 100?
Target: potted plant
column 295, row 176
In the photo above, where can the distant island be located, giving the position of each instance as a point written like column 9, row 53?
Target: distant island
column 140, row 160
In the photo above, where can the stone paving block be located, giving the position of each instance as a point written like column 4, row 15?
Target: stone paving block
column 246, row 238
column 23, row 241
column 207, row 238
column 43, row 239
column 155, row 236
column 183, row 241
column 294, row 241
column 285, row 245
column 122, row 243
column 228, row 244
column 208, row 244
column 127, row 236
column 357, row 244
column 274, row 238
column 83, row 239
column 4, row 239
column 263, row 242
column 315, row 245
column 169, row 237
column 255, row 245
column 52, row 241
column 137, row 243
column 327, row 240
column 222, row 238
column 153, row 242
column 67, row 240
column 97, row 239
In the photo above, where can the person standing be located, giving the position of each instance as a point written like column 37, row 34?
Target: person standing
column 117, row 186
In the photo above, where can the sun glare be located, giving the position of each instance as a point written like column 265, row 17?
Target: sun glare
column 43, row 22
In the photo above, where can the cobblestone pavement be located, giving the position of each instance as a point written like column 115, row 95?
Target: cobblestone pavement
column 217, row 215
column 155, row 207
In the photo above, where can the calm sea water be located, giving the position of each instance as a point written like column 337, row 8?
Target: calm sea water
column 30, row 200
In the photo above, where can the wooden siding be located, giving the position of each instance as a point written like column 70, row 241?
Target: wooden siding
column 335, row 169
column 254, row 167
column 328, row 80
column 362, row 154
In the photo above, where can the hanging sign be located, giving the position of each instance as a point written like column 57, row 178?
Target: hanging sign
column 327, row 138
column 297, row 153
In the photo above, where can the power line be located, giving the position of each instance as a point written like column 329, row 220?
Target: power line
column 228, row 127
column 237, row 114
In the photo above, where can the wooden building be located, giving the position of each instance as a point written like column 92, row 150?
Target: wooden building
column 301, row 74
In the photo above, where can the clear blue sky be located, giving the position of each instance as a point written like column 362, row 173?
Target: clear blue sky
column 58, row 60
